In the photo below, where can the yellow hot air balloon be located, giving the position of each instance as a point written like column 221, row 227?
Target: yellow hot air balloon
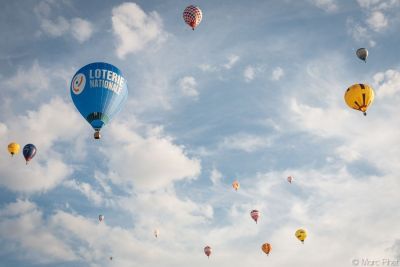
column 359, row 97
column 301, row 235
column 236, row 185
column 266, row 248
column 13, row 148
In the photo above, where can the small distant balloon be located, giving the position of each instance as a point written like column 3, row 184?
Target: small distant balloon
column 362, row 53
column 111, row 258
column 301, row 235
column 208, row 251
column 192, row 16
column 266, row 248
column 101, row 218
column 255, row 214
column 13, row 148
column 156, row 233
column 236, row 185
column 289, row 179
column 29, row 152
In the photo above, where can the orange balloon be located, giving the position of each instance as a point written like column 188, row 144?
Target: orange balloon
column 266, row 248
column 236, row 185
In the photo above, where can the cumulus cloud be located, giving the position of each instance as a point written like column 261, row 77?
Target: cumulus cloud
column 277, row 74
column 232, row 60
column 87, row 190
column 23, row 227
column 215, row 176
column 249, row 73
column 188, row 86
column 31, row 81
column 359, row 33
column 79, row 28
column 148, row 162
column 245, row 142
column 327, row 5
column 388, row 83
column 377, row 21
column 135, row 29
column 45, row 128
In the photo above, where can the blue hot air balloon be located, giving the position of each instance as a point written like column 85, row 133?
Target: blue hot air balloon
column 99, row 90
column 29, row 152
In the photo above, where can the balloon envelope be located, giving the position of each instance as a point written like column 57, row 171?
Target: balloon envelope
column 255, row 214
column 192, row 16
column 13, row 148
column 266, row 248
column 236, row 185
column 101, row 218
column 301, row 235
column 208, row 251
column 29, row 152
column 359, row 97
column 362, row 53
column 99, row 91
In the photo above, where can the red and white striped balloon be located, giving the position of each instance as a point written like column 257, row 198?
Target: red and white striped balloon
column 192, row 16
column 207, row 251
column 255, row 214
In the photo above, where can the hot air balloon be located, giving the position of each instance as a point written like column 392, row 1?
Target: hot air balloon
column 13, row 148
column 255, row 214
column 301, row 235
column 208, row 251
column 192, row 16
column 111, row 258
column 99, row 91
column 359, row 97
column 101, row 218
column 236, row 185
column 29, row 152
column 362, row 53
column 289, row 179
column 266, row 248
column 156, row 233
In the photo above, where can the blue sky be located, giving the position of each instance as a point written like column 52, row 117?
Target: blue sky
column 255, row 93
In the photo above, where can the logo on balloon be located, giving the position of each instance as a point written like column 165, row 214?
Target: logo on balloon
column 78, row 83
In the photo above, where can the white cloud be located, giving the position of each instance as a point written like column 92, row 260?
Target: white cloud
column 377, row 21
column 55, row 28
column 23, row 227
column 188, row 86
column 215, row 176
column 30, row 81
column 208, row 68
column 388, row 83
column 87, row 190
column 249, row 73
column 45, row 128
column 148, row 163
column 232, row 60
column 81, row 29
column 135, row 29
column 277, row 74
column 327, row 5
column 245, row 142
column 359, row 32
